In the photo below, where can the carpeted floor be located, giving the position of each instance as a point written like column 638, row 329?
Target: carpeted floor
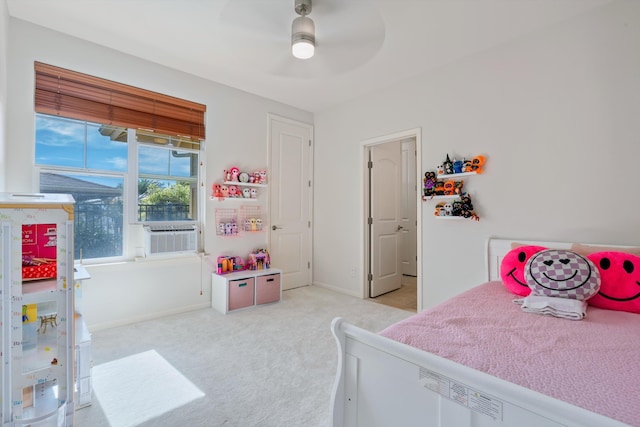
column 271, row 365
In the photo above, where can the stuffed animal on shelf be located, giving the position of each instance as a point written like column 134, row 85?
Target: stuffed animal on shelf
column 448, row 209
column 449, row 187
column 224, row 190
column 467, row 208
column 235, row 172
column 458, row 189
column 233, row 191
column 476, row 164
column 429, row 183
column 440, row 169
column 457, row 208
column 439, row 189
column 439, row 209
column 466, row 166
column 448, row 166
column 216, row 191
column 457, row 166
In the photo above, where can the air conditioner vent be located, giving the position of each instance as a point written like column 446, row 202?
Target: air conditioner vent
column 170, row 239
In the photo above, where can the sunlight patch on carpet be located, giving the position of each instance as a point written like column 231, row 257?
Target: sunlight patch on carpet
column 137, row 388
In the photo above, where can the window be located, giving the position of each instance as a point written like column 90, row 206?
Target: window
column 92, row 162
column 127, row 155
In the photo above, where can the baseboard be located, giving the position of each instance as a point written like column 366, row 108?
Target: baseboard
column 337, row 289
column 150, row 316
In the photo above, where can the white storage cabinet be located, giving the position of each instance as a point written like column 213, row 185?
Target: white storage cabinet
column 243, row 289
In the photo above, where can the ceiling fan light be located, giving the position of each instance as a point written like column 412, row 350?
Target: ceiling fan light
column 303, row 40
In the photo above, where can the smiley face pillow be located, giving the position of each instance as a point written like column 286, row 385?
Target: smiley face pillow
column 620, row 289
column 512, row 269
column 562, row 274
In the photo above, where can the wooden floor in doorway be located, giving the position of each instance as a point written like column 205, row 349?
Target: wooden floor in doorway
column 405, row 298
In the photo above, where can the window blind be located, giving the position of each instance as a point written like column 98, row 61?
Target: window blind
column 67, row 93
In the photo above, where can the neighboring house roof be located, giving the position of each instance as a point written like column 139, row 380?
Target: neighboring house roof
column 80, row 189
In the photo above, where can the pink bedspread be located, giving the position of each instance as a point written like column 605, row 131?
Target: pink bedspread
column 593, row 363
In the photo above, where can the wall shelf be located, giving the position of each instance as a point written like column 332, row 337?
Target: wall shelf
column 454, row 175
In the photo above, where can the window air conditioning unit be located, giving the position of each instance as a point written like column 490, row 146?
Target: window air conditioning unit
column 170, row 239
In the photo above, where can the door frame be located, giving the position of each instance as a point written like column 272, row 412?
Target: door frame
column 271, row 117
column 364, row 173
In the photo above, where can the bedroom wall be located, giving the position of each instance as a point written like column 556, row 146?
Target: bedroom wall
column 236, row 135
column 4, row 36
column 556, row 115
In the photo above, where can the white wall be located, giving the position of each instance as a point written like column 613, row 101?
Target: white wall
column 4, row 36
column 556, row 115
column 236, row 135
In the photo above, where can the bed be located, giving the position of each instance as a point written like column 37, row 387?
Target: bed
column 456, row 374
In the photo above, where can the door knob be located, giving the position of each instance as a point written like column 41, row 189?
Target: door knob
column 275, row 227
column 400, row 228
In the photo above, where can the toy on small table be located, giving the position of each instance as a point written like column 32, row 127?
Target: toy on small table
column 229, row 264
column 259, row 260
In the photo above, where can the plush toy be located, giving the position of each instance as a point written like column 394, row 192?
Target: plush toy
column 620, row 287
column 429, row 183
column 234, row 173
column 467, row 208
column 448, row 209
column 476, row 164
column 216, row 191
column 439, row 188
column 448, row 166
column 439, row 210
column 467, row 166
column 457, row 208
column 224, row 190
column 449, row 188
column 512, row 269
column 457, row 166
column 440, row 169
column 562, row 274
column 233, row 191
column 458, row 189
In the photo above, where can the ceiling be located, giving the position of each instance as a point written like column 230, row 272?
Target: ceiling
column 362, row 45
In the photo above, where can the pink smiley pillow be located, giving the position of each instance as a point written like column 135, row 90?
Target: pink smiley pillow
column 512, row 269
column 620, row 281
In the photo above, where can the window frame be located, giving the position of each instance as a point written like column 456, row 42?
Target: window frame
column 131, row 240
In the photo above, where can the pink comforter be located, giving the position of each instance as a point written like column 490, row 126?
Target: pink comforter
column 593, row 363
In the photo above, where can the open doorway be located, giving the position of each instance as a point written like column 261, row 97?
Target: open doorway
column 390, row 219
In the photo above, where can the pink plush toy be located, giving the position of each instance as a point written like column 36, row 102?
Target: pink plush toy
column 620, row 275
column 512, row 269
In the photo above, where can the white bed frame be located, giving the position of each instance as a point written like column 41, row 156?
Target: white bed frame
column 381, row 382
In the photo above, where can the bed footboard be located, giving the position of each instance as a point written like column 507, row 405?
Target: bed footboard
column 381, row 382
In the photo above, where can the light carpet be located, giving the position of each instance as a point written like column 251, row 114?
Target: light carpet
column 270, row 365
column 140, row 387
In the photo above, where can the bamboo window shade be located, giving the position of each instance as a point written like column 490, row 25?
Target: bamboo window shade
column 70, row 94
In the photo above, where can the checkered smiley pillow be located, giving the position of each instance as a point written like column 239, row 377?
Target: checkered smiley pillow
column 562, row 274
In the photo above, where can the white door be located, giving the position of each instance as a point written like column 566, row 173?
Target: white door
column 290, row 198
column 408, row 209
column 386, row 193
